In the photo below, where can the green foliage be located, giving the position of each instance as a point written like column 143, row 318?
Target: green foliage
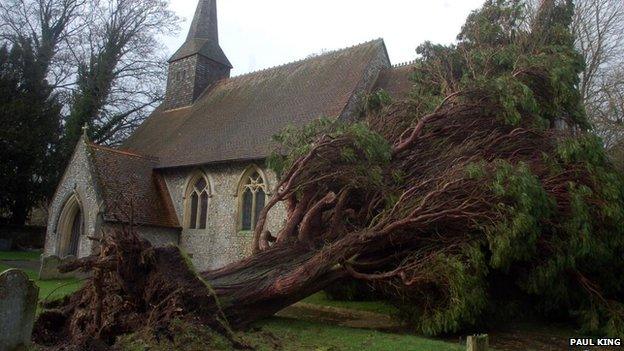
column 513, row 100
column 374, row 102
column 586, row 149
column 584, row 242
column 368, row 151
column 524, row 208
column 29, row 132
column 476, row 171
column 454, row 297
column 498, row 47
column 496, row 23
column 554, row 230
column 560, row 249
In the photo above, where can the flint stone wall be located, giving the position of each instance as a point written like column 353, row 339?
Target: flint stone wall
column 78, row 179
column 18, row 304
column 221, row 243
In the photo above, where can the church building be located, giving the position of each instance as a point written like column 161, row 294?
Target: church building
column 193, row 174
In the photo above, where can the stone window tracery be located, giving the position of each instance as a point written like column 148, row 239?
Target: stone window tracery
column 197, row 203
column 252, row 199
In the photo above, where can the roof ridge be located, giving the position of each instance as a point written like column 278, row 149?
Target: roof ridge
column 125, row 153
column 403, row 64
column 328, row 53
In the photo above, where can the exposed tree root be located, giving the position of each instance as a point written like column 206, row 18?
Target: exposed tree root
column 134, row 287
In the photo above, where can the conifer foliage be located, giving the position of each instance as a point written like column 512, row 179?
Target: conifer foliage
column 495, row 195
column 29, row 132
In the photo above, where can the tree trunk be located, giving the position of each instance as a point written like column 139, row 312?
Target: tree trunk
column 270, row 281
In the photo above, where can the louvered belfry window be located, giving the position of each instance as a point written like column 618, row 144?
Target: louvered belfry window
column 253, row 200
column 198, row 206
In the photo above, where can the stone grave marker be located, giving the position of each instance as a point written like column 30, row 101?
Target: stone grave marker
column 18, row 304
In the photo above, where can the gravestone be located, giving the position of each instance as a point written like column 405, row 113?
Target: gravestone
column 477, row 343
column 18, row 304
column 49, row 268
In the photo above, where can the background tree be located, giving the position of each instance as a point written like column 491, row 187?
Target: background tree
column 123, row 67
column 50, row 26
column 29, row 131
column 101, row 59
column 598, row 27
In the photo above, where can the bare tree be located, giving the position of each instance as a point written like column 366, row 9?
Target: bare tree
column 102, row 57
column 122, row 70
column 599, row 32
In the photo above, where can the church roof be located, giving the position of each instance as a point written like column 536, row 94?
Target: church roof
column 236, row 118
column 131, row 191
column 396, row 80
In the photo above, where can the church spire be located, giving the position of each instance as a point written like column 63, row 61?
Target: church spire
column 199, row 62
column 204, row 25
column 203, row 36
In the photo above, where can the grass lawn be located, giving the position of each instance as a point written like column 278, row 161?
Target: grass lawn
column 20, row 255
column 320, row 298
column 48, row 289
column 285, row 334
column 302, row 335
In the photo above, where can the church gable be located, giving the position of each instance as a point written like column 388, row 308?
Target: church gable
column 73, row 214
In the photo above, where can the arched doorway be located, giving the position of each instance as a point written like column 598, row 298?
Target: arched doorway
column 70, row 228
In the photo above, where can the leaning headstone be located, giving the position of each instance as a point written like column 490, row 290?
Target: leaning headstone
column 477, row 343
column 49, row 268
column 18, row 304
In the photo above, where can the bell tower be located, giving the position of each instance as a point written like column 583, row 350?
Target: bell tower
column 199, row 62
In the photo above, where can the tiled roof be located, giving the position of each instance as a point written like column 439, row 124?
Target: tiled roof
column 131, row 191
column 236, row 118
column 396, row 80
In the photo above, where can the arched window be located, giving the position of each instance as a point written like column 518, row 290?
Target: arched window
column 70, row 227
column 197, row 197
column 252, row 194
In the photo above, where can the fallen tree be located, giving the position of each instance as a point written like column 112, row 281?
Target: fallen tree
column 462, row 200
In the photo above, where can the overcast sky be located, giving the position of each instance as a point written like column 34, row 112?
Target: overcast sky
column 260, row 34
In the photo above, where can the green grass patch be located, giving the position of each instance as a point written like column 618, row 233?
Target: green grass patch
column 20, row 255
column 303, row 335
column 381, row 307
column 286, row 335
column 50, row 289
